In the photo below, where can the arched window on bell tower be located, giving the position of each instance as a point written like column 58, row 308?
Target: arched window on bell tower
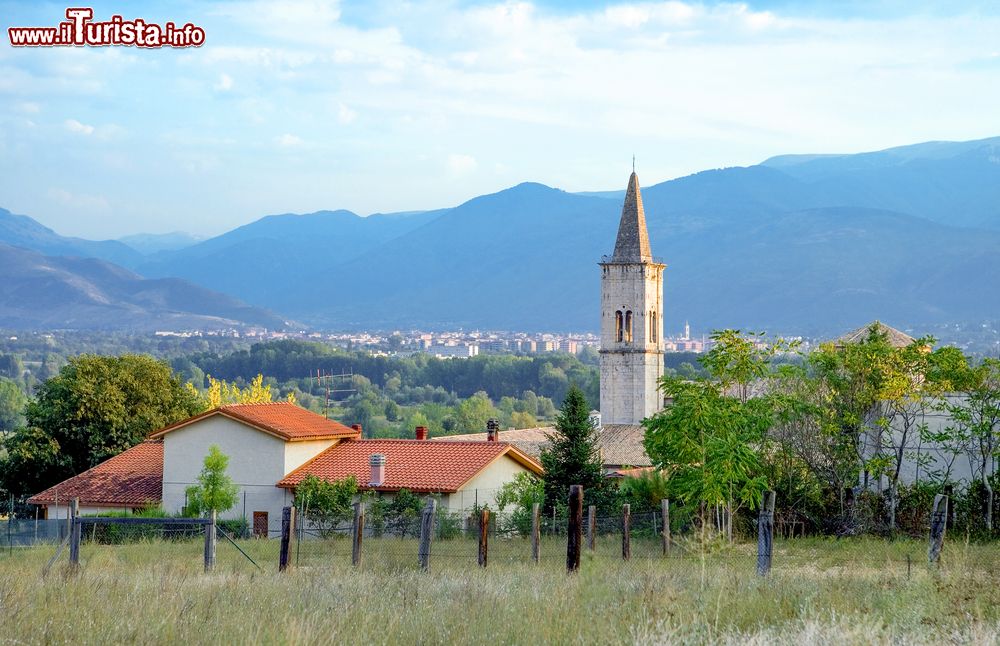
column 652, row 327
column 628, row 326
column 619, row 327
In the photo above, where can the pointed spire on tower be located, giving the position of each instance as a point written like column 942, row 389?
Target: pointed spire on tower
column 632, row 244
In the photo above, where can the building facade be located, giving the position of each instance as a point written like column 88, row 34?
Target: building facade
column 631, row 320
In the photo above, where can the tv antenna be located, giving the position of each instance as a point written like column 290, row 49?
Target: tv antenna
column 332, row 382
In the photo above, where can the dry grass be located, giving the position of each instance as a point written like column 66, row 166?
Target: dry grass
column 820, row 592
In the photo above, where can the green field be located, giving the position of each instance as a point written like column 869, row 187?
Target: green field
column 820, row 591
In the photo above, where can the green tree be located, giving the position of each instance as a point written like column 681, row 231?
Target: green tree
column 326, row 504
column 523, row 420
column 471, row 415
column 975, row 421
column 12, row 404
column 709, row 445
column 572, row 457
column 11, row 366
column 519, row 495
column 645, row 490
column 403, row 511
column 95, row 408
column 215, row 490
column 710, row 440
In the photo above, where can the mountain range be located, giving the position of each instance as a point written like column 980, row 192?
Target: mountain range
column 797, row 243
column 86, row 293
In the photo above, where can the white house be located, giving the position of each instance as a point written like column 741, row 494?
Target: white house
column 271, row 448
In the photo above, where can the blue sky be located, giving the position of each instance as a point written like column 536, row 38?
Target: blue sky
column 387, row 106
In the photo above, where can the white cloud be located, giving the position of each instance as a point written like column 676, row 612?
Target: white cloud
column 345, row 115
column 225, row 83
column 288, row 140
column 461, row 164
column 79, row 128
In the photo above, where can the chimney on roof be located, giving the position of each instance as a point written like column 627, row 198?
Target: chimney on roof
column 356, row 427
column 421, row 432
column 377, row 462
column 492, row 430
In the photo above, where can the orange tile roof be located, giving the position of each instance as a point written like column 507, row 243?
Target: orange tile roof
column 132, row 478
column 284, row 420
column 417, row 465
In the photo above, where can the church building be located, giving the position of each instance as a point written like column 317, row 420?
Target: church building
column 631, row 320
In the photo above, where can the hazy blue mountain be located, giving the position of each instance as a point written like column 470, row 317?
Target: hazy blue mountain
column 799, row 243
column 526, row 258
column 149, row 243
column 86, row 293
column 949, row 182
column 22, row 231
column 259, row 261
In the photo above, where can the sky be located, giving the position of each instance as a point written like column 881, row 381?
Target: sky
column 393, row 106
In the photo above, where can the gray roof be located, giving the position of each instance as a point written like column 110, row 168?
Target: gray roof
column 620, row 444
column 896, row 338
column 632, row 244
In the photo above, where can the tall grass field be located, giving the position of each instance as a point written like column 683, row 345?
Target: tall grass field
column 858, row 591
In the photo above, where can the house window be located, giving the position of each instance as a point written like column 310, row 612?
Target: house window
column 628, row 326
column 619, row 328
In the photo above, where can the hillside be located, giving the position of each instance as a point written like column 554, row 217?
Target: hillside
column 85, row 293
column 798, row 243
column 22, row 231
column 262, row 260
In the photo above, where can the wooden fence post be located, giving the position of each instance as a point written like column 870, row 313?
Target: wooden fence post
column 484, row 536
column 287, row 529
column 591, row 527
column 75, row 532
column 665, row 507
column 939, row 521
column 357, row 532
column 626, row 532
column 765, row 534
column 426, row 531
column 574, row 530
column 536, row 531
column 210, row 537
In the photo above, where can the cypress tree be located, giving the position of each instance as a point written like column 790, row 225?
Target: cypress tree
column 572, row 456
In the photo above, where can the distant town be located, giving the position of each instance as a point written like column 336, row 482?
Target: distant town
column 448, row 344
column 981, row 338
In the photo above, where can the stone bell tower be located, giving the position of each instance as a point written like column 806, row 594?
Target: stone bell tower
column 631, row 320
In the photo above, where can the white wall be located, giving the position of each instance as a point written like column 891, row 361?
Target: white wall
column 257, row 461
column 922, row 459
column 483, row 488
column 61, row 512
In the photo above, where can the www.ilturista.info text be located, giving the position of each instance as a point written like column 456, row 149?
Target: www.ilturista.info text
column 80, row 30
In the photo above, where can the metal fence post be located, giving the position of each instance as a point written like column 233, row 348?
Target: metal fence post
column 574, row 530
column 765, row 534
